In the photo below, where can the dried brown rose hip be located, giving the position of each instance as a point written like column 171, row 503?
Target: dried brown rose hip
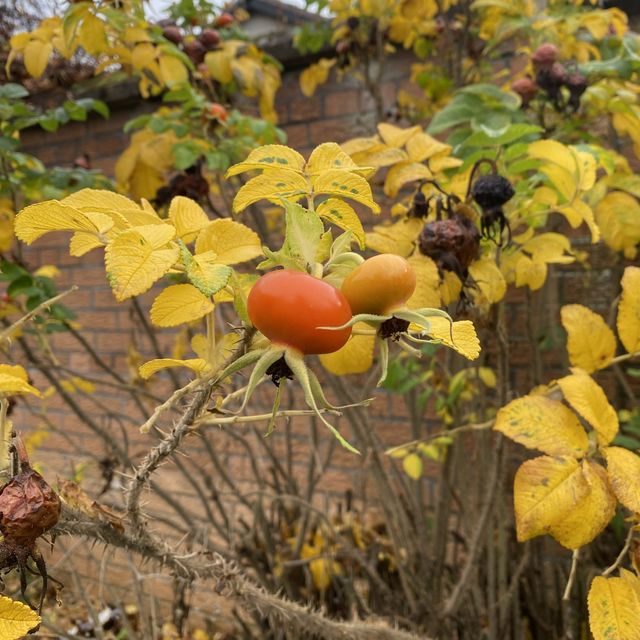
column 28, row 505
column 544, row 56
column 173, row 34
column 526, row 88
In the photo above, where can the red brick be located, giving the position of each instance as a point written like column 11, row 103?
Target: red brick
column 305, row 109
column 332, row 130
column 297, row 135
column 340, row 103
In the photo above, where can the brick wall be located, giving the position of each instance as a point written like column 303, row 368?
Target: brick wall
column 337, row 112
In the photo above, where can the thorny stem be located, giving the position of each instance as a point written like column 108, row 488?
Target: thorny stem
column 9, row 331
column 232, row 582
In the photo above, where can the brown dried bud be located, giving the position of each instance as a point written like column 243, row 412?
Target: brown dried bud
column 28, row 505
column 544, row 56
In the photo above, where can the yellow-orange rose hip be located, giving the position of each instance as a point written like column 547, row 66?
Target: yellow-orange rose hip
column 380, row 284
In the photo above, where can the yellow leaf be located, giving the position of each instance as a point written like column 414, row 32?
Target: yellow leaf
column 14, row 380
column 179, row 304
column 450, row 288
column 98, row 200
column 37, row 219
column 270, row 156
column 219, row 65
column 561, row 165
column 82, row 242
column 488, row 279
column 591, row 515
column 271, row 185
column 396, row 136
column 328, row 156
column 143, row 56
column 136, row 258
column 544, row 424
column 231, row 241
column 590, row 342
column 36, row 57
column 545, row 491
column 623, row 467
column 314, row 75
column 578, row 212
column 47, row 271
column 92, row 35
column 618, row 216
column 355, row 357
column 587, row 398
column 322, row 571
column 342, row 215
column 16, row 619
column 422, row 146
column 149, row 368
column 465, row 339
column 346, row 185
column 628, row 322
column 187, row 217
column 383, row 156
column 402, row 173
column 427, row 292
column 412, row 465
column 614, row 609
column 172, row 71
column 398, row 238
column 531, row 273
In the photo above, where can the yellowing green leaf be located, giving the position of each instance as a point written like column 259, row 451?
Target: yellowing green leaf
column 136, row 258
column 561, row 165
column 271, row 185
column 188, row 217
column 546, row 490
column 465, row 339
column 614, row 609
column 355, row 357
column 587, row 397
column 153, row 366
column 346, row 185
column 422, row 146
column 427, row 292
column 591, row 515
column 207, row 273
column 540, row 423
column 37, row 219
column 590, row 342
column 16, row 619
column 628, row 322
column 14, row 380
column 178, row 304
column 412, row 465
column 342, row 215
column 488, row 279
column 231, row 241
column 623, row 467
column 270, row 156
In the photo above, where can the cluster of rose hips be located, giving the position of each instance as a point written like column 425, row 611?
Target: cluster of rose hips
column 452, row 240
column 208, row 40
column 551, row 77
